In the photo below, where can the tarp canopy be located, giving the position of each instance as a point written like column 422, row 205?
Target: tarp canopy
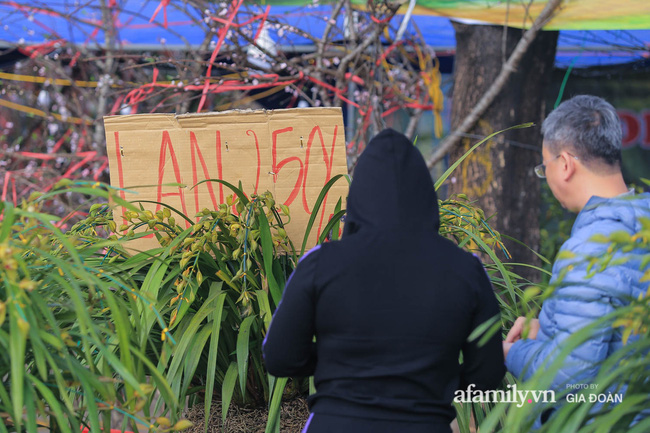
column 151, row 25
column 572, row 14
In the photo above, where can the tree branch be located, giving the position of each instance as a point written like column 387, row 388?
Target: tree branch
column 321, row 49
column 508, row 68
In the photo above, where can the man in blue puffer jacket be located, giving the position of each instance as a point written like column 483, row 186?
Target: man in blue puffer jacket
column 582, row 165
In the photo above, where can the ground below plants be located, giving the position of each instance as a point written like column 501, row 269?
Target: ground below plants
column 241, row 420
column 294, row 414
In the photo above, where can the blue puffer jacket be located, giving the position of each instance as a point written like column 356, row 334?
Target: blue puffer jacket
column 581, row 297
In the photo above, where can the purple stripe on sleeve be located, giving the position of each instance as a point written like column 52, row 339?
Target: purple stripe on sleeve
column 304, row 430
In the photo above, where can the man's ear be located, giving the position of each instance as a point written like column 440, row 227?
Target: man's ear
column 568, row 165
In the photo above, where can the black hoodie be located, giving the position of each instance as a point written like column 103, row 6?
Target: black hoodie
column 391, row 305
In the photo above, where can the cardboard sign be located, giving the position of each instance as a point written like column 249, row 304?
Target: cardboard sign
column 293, row 153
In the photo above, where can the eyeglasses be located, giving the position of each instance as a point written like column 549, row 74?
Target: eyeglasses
column 540, row 170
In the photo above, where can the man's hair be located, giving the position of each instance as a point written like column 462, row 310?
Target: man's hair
column 587, row 125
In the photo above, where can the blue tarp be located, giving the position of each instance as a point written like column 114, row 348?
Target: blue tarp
column 34, row 23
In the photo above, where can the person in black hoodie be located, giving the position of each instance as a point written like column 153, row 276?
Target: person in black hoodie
column 391, row 306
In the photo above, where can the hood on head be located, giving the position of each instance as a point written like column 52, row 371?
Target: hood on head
column 391, row 188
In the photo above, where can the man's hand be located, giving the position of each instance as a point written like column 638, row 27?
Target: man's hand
column 517, row 329
column 506, row 348
column 515, row 334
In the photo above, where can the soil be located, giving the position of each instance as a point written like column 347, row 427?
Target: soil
column 293, row 417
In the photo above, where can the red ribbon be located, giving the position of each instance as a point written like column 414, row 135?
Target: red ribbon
column 162, row 5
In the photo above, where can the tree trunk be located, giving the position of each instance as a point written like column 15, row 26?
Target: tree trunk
column 499, row 174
